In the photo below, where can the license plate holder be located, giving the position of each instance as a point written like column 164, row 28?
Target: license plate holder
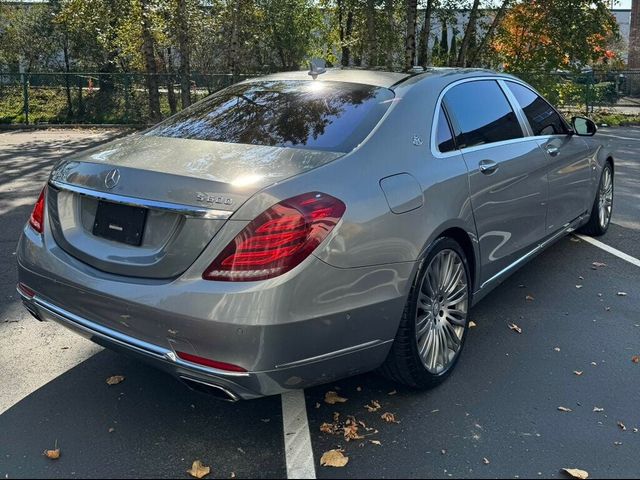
column 120, row 223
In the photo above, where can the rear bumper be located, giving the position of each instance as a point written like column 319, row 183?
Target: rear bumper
column 232, row 386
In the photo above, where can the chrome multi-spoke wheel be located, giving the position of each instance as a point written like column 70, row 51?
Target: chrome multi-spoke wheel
column 433, row 327
column 605, row 198
column 598, row 222
column 441, row 314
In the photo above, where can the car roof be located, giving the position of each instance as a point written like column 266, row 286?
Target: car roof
column 378, row 78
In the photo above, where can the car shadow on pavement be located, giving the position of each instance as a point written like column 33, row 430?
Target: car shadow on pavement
column 150, row 425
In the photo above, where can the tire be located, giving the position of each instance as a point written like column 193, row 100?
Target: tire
column 405, row 363
column 602, row 205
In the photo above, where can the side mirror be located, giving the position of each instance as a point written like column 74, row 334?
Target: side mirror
column 584, row 127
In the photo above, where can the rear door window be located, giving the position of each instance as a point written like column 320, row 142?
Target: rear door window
column 482, row 113
column 315, row 115
column 542, row 117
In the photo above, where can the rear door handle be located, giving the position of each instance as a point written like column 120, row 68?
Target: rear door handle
column 553, row 151
column 488, row 166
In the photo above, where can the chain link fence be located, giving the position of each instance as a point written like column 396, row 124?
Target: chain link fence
column 96, row 98
column 122, row 98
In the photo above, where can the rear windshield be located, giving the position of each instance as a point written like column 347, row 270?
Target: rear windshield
column 314, row 114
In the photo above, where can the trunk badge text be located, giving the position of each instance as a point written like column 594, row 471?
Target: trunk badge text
column 213, row 199
column 112, row 178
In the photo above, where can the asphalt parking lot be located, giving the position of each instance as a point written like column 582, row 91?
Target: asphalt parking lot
column 497, row 415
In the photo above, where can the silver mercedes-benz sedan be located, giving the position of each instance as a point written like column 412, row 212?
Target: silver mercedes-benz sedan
column 294, row 229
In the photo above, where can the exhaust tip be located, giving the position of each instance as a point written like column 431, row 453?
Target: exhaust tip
column 210, row 389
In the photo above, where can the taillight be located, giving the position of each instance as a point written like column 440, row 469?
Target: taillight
column 277, row 240
column 36, row 220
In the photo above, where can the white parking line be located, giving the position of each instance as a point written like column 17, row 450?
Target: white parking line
column 611, row 250
column 297, row 439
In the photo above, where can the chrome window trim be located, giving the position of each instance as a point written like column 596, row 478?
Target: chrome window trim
column 186, row 210
column 522, row 120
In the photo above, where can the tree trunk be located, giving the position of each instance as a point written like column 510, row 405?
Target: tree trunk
column 444, row 39
column 169, row 79
column 67, row 80
column 233, row 47
column 423, row 51
column 477, row 52
column 469, row 33
column 369, row 57
column 148, row 51
column 388, row 10
column 634, row 35
column 345, row 33
column 410, row 37
column 183, row 44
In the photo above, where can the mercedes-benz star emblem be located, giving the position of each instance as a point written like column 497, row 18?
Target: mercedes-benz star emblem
column 112, row 178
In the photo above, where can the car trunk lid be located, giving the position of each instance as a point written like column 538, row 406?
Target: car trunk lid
column 147, row 206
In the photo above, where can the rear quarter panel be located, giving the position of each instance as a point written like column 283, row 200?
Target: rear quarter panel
column 370, row 233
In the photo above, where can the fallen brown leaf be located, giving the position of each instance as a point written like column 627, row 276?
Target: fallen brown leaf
column 565, row 409
column 515, row 328
column 635, row 359
column 351, row 432
column 114, row 380
column 198, row 470
column 575, row 473
column 52, row 454
column 332, row 398
column 376, row 442
column 389, row 417
column 472, row 324
column 333, row 458
column 328, row 428
column 374, row 407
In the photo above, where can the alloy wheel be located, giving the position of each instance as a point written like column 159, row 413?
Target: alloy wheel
column 605, row 199
column 441, row 314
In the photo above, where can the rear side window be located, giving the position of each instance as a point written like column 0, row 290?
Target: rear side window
column 444, row 137
column 543, row 118
column 314, row 114
column 482, row 113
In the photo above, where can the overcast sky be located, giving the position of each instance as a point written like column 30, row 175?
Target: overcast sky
column 624, row 4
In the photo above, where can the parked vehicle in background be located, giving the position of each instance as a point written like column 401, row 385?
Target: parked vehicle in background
column 288, row 230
